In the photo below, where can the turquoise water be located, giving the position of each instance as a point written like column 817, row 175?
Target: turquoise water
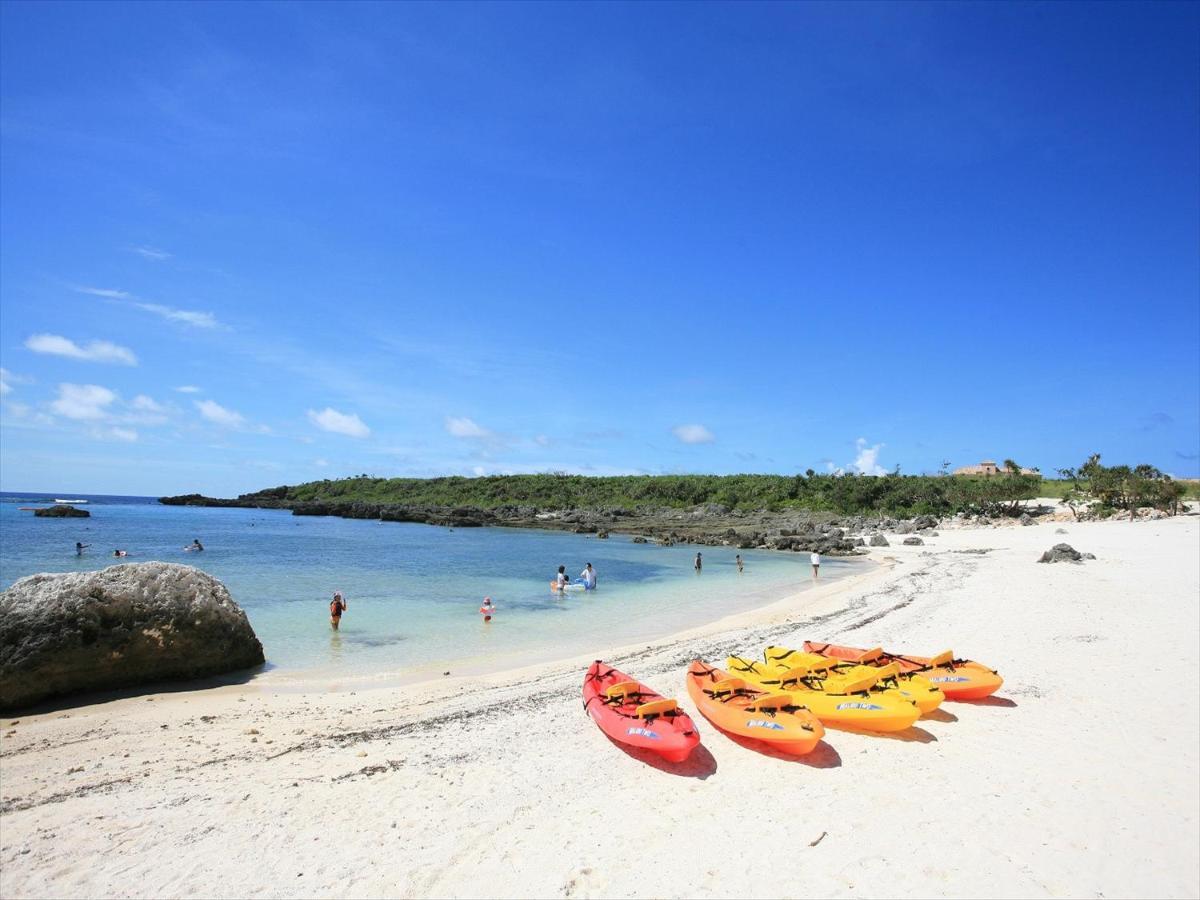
column 413, row 590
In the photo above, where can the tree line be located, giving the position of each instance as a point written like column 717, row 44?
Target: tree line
column 1090, row 488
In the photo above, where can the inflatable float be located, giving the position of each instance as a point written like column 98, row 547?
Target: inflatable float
column 737, row 707
column 632, row 714
column 569, row 586
column 837, row 700
column 958, row 679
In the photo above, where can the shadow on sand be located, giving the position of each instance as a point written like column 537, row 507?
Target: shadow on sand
column 940, row 715
column 699, row 764
column 822, row 756
column 1002, row 702
column 88, row 698
column 912, row 734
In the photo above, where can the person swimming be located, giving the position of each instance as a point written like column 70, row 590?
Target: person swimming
column 562, row 579
column 120, row 553
column 80, row 547
column 487, row 609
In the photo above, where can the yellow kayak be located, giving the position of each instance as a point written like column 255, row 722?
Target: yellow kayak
column 917, row 688
column 837, row 700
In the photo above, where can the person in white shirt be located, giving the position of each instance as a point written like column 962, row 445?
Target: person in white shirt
column 589, row 577
column 815, row 559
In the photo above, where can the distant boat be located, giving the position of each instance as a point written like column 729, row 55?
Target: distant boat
column 69, row 501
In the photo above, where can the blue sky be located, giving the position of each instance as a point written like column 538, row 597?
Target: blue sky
column 246, row 245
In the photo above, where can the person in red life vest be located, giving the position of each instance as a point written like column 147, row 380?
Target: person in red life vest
column 337, row 606
column 487, row 609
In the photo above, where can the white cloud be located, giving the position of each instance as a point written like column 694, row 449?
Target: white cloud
column 219, row 415
column 320, row 463
column 348, row 424
column 127, row 435
column 95, row 351
column 8, row 379
column 866, row 462
column 83, row 402
column 145, row 410
column 147, row 404
column 188, row 389
column 693, row 434
column 105, row 293
column 462, row 427
column 170, row 313
column 187, row 316
column 542, row 440
column 151, row 253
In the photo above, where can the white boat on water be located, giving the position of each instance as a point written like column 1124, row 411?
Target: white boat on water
column 69, row 501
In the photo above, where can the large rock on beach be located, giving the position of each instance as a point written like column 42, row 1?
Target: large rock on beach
column 119, row 627
column 913, row 541
column 878, row 540
column 1064, row 553
column 61, row 511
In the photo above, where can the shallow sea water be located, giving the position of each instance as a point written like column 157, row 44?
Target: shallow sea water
column 414, row 590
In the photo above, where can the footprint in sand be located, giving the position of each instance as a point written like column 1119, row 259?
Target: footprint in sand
column 583, row 882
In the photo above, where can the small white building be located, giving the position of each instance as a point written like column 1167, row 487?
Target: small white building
column 989, row 467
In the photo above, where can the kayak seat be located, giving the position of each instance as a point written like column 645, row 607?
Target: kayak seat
column 891, row 670
column 794, row 675
column 822, row 664
column 623, row 690
column 858, row 685
column 730, row 686
column 942, row 659
column 655, row 708
column 869, row 656
column 772, row 702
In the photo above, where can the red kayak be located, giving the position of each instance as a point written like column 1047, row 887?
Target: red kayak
column 629, row 712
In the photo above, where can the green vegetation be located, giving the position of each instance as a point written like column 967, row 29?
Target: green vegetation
column 892, row 494
column 1092, row 487
column 1059, row 487
column 1105, row 489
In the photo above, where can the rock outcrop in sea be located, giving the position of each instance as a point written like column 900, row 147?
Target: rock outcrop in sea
column 61, row 511
column 119, row 627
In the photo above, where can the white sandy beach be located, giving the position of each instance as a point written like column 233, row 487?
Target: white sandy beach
column 1080, row 779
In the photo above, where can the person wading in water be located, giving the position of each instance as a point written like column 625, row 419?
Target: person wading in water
column 337, row 606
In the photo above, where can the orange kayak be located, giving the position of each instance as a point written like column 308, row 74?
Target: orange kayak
column 739, row 708
column 959, row 679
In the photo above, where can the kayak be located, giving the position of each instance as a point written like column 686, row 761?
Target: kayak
column 958, row 679
column 836, row 700
column 631, row 713
column 916, row 688
column 739, row 708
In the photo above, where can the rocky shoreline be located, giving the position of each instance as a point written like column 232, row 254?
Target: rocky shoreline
column 708, row 525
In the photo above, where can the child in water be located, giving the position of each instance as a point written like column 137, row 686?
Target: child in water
column 487, row 609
